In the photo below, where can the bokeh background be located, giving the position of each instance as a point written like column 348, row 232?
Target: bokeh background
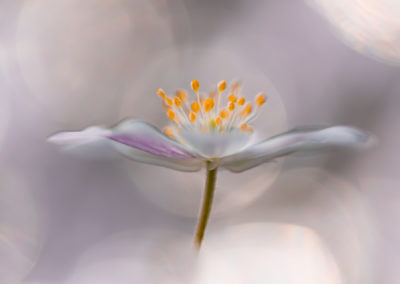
column 78, row 218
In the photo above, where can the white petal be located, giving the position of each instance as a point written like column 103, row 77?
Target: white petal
column 295, row 141
column 87, row 144
column 215, row 144
column 137, row 140
column 88, row 135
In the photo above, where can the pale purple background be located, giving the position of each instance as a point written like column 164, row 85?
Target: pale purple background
column 81, row 202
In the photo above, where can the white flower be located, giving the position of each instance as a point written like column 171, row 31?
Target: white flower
column 203, row 133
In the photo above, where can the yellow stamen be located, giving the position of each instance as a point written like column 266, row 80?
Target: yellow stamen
column 161, row 93
column 201, row 99
column 171, row 114
column 209, row 104
column 232, row 98
column 195, row 107
column 221, row 86
column 207, row 109
column 218, row 121
column 223, row 113
column 192, row 116
column 231, row 106
column 195, row 85
column 182, row 94
column 177, row 101
column 168, row 131
column 168, row 101
column 212, row 125
column 260, row 99
column 213, row 93
column 246, row 111
column 235, row 87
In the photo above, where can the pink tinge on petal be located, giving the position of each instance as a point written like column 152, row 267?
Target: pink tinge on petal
column 152, row 146
column 136, row 140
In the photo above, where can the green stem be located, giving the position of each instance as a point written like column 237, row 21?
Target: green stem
column 206, row 207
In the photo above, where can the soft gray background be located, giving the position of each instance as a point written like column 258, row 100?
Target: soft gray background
column 68, row 64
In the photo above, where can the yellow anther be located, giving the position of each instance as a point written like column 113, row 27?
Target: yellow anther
column 246, row 110
column 195, row 107
column 171, row 114
column 218, row 121
column 209, row 104
column 192, row 116
column 161, row 93
column 249, row 129
column 195, row 85
column 243, row 126
column 168, row 131
column 260, row 99
column 177, row 101
column 241, row 101
column 231, row 106
column 223, row 113
column 168, row 101
column 182, row 94
column 232, row 98
column 221, row 86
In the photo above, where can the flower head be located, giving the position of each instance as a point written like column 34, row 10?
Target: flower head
column 213, row 125
column 213, row 129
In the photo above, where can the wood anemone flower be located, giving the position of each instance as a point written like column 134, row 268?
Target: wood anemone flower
column 205, row 134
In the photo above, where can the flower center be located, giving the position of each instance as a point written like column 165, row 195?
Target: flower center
column 204, row 112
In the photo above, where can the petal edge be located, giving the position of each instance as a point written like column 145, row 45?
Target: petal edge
column 137, row 140
column 295, row 141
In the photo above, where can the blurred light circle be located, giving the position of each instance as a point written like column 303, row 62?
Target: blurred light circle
column 76, row 56
column 151, row 256
column 266, row 253
column 20, row 228
column 371, row 27
column 181, row 192
column 333, row 207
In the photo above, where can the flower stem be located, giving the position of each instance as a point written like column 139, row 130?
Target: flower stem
column 206, row 207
